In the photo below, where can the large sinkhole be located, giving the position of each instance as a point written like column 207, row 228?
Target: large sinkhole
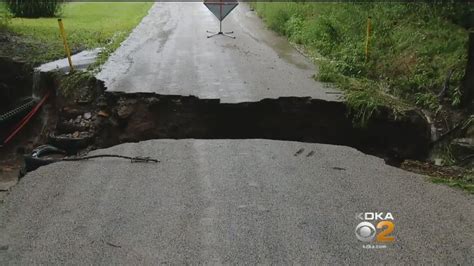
column 94, row 118
column 116, row 118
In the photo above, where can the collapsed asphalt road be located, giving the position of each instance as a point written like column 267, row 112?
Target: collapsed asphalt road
column 169, row 54
column 223, row 201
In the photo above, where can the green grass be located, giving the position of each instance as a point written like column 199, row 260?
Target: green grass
column 412, row 48
column 88, row 25
column 466, row 183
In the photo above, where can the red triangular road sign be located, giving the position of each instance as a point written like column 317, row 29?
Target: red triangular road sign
column 221, row 8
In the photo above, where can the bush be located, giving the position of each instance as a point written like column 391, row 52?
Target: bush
column 34, row 8
column 4, row 18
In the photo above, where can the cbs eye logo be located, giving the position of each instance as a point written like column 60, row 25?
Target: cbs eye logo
column 366, row 232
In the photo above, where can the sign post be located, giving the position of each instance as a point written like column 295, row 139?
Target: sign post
column 220, row 9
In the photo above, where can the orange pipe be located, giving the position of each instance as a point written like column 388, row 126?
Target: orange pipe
column 26, row 119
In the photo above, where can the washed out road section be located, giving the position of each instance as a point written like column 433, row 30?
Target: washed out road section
column 230, row 201
column 168, row 53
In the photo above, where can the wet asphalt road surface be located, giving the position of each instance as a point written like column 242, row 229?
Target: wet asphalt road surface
column 230, row 201
column 169, row 53
column 225, row 201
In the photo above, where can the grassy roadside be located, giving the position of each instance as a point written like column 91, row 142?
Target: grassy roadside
column 450, row 176
column 412, row 50
column 88, row 25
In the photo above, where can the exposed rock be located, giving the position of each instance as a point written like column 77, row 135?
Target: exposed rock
column 103, row 114
column 71, row 113
column 124, row 111
column 439, row 162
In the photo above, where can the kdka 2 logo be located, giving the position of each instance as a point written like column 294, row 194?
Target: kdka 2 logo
column 375, row 227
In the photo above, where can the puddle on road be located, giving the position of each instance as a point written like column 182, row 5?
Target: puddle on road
column 280, row 45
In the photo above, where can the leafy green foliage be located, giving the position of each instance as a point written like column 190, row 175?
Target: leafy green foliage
column 5, row 18
column 363, row 104
column 427, row 100
column 412, row 47
column 34, row 8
